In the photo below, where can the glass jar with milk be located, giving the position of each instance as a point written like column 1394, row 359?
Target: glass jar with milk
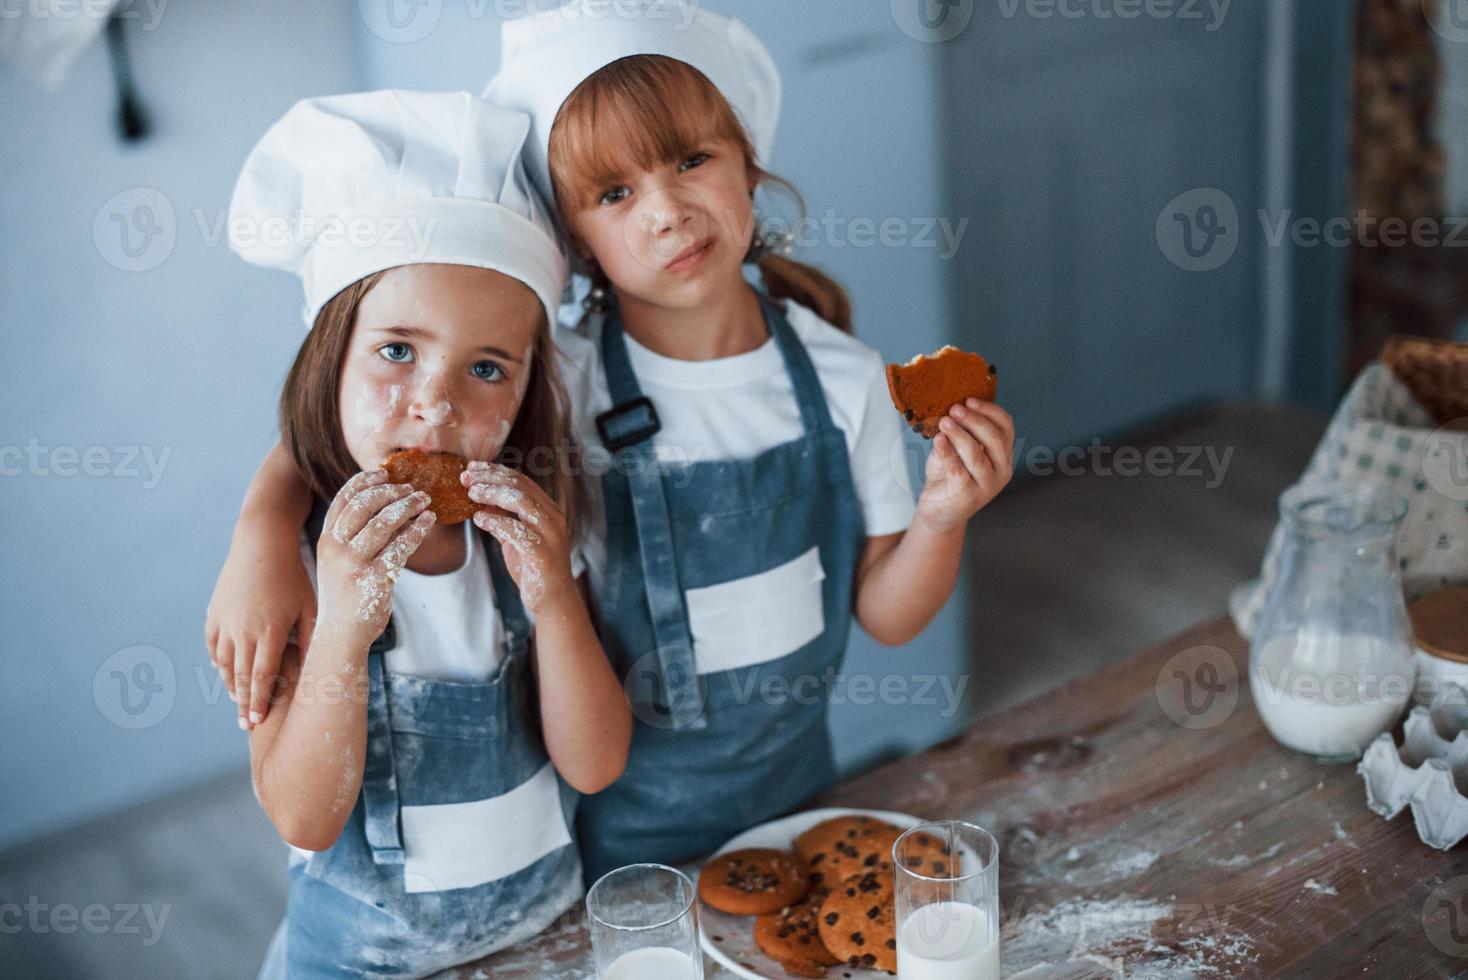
column 1331, row 665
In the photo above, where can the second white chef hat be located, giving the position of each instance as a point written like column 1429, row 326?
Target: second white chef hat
column 348, row 185
column 546, row 55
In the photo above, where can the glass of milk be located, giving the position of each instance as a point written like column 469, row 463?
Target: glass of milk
column 947, row 922
column 644, row 924
column 1331, row 664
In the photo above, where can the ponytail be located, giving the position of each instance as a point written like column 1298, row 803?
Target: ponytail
column 810, row 287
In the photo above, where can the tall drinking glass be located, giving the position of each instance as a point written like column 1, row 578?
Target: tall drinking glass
column 947, row 912
column 644, row 925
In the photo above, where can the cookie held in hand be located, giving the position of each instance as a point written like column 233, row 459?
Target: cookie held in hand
column 926, row 387
column 754, row 881
column 436, row 474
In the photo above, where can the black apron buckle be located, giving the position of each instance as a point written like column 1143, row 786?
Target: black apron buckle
column 628, row 424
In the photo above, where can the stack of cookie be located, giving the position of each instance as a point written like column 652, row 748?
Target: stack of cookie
column 829, row 903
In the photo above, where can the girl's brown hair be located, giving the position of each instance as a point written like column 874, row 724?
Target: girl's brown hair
column 540, row 443
column 645, row 110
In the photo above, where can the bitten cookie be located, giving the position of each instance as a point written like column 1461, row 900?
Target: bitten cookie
column 436, row 474
column 838, row 848
column 792, row 936
column 926, row 387
column 754, row 881
column 858, row 921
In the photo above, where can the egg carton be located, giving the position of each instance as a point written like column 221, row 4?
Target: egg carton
column 1427, row 772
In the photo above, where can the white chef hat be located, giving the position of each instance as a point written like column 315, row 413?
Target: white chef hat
column 546, row 55
column 348, row 185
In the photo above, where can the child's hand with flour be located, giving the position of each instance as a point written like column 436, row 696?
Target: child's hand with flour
column 370, row 532
column 532, row 531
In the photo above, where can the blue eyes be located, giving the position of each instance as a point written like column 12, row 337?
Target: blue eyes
column 617, row 195
column 400, row 353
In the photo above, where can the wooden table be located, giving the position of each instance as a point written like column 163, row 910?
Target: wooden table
column 1149, row 826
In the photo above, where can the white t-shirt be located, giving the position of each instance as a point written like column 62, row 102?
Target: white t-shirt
column 737, row 407
column 448, row 627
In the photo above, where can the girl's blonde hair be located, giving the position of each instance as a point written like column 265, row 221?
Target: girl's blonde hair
column 540, row 443
column 645, row 110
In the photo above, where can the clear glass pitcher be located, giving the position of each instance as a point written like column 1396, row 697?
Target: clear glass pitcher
column 1331, row 665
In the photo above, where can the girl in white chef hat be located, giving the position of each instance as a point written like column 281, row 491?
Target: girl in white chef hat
column 754, row 506
column 430, row 735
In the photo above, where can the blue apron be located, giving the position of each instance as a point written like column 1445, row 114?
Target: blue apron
column 717, row 751
column 352, row 910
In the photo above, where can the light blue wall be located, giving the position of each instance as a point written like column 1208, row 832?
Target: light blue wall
column 184, row 358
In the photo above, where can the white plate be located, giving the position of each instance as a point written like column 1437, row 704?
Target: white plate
column 737, row 951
